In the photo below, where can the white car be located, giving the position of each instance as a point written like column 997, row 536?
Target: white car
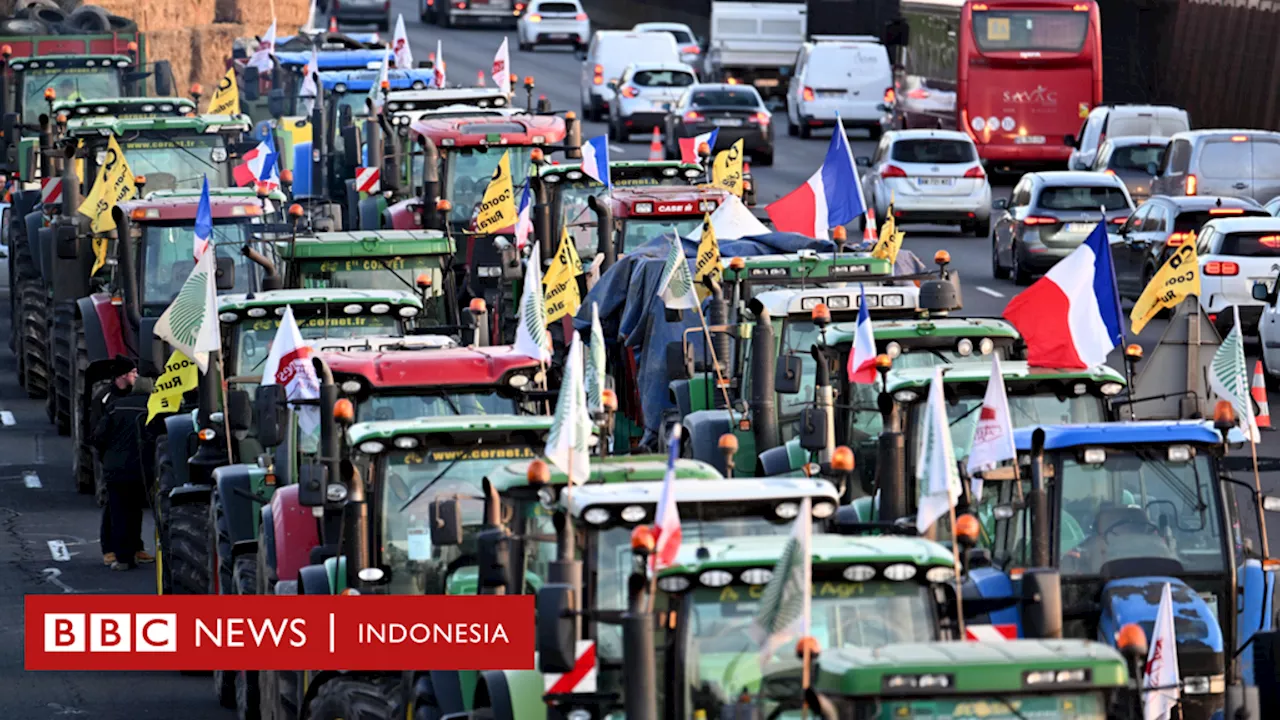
column 931, row 176
column 1235, row 254
column 849, row 77
column 553, row 22
column 609, row 53
column 690, row 46
column 644, row 92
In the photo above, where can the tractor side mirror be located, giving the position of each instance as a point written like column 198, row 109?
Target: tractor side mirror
column 445, row 516
column 555, row 628
column 677, row 368
column 275, row 102
column 813, row 428
column 239, row 410
column 249, row 79
column 786, row 378
column 225, row 274
column 1261, row 292
column 313, row 478
column 493, row 552
column 272, row 415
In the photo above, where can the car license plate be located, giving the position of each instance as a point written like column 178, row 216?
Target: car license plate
column 727, row 122
column 558, row 36
column 935, row 182
column 1080, row 227
column 1029, row 140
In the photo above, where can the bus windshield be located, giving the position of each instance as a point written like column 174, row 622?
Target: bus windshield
column 70, row 83
column 469, row 172
column 179, row 163
column 253, row 337
column 1030, row 30
column 167, row 252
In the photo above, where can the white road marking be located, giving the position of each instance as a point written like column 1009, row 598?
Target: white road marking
column 6, row 417
column 64, row 710
column 58, row 549
column 989, row 291
column 617, row 149
column 31, row 480
column 51, row 575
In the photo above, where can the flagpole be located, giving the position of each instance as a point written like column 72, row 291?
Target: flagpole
column 1257, row 488
column 715, row 363
column 226, row 420
column 955, row 560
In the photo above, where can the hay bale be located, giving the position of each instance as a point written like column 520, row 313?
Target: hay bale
column 210, row 49
column 154, row 15
column 289, row 14
column 174, row 46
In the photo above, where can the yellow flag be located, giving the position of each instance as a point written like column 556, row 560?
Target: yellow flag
column 726, row 172
column 708, row 263
column 890, row 239
column 498, row 209
column 1176, row 279
column 113, row 186
column 180, row 375
column 226, row 99
column 562, row 296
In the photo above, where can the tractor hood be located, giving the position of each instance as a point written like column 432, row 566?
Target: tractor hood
column 1137, row 600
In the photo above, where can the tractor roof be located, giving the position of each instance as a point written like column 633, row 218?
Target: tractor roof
column 772, row 491
column 763, row 551
column 439, row 367
column 326, row 296
column 370, row 243
column 124, row 126
column 808, row 264
column 624, row 173
column 902, row 297
column 191, row 195
column 381, row 343
column 447, row 426
column 660, row 201
column 976, row 668
column 908, row 330
column 1058, row 437
column 613, row 469
column 71, row 61
column 1014, row 371
column 126, row 107
column 488, row 130
column 432, row 98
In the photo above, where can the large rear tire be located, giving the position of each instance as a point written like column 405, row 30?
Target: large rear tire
column 187, row 548
column 35, row 338
column 61, row 358
column 244, row 579
column 353, row 698
column 164, row 483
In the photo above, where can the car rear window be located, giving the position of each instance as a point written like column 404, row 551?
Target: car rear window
column 662, row 78
column 1226, row 159
column 1136, row 157
column 1082, row 198
column 726, row 98
column 1149, row 125
column 1266, row 159
column 1193, row 221
column 558, row 7
column 933, row 151
column 1251, row 244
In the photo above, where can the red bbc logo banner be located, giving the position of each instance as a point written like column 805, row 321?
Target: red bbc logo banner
column 301, row 632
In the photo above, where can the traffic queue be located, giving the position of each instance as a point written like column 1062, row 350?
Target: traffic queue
column 399, row 337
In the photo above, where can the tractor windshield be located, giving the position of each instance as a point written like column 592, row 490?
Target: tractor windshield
column 167, row 252
column 1139, row 504
column 252, row 338
column 638, row 232
column 469, row 172
column 410, row 482
column 722, row 659
column 179, row 162
column 380, row 273
column 1082, row 706
column 435, row 404
column 70, row 83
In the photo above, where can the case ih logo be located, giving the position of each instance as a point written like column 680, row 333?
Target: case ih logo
column 673, row 208
column 1040, row 96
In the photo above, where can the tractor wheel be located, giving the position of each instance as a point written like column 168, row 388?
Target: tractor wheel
column 35, row 337
column 244, row 580
column 82, row 469
column 164, row 483
column 220, row 550
column 187, row 548
column 61, row 360
column 352, row 698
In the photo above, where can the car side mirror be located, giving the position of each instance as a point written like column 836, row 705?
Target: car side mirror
column 272, row 415
column 813, row 428
column 677, row 368
column 862, row 161
column 1000, row 204
column 313, row 478
column 581, row 55
column 1152, row 169
column 613, row 84
column 239, row 410
column 555, row 628
column 1070, row 141
column 786, row 378
column 445, row 518
column 225, row 273
column 1261, row 292
column 884, row 107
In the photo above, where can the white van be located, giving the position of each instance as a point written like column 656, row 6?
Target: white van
column 850, row 75
column 1117, row 121
column 610, row 52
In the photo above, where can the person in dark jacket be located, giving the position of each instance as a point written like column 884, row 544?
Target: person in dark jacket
column 118, row 437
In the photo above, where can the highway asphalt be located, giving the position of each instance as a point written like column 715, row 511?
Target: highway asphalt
column 48, row 532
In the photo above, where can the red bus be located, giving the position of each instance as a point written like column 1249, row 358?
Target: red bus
column 1016, row 75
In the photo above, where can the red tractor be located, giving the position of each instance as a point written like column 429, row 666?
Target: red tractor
column 639, row 215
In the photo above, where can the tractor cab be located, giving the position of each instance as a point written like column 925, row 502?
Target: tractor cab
column 418, row 104
column 644, row 214
column 172, row 153
column 745, row 277
column 126, row 108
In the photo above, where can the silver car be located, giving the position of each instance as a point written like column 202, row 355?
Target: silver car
column 644, row 93
column 930, row 176
column 1236, row 163
column 1127, row 158
column 1049, row 215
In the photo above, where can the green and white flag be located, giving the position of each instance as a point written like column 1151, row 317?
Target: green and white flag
column 676, row 286
column 783, row 615
column 377, row 95
column 595, row 363
column 567, row 443
column 532, row 338
column 1229, row 378
column 190, row 323
column 937, row 474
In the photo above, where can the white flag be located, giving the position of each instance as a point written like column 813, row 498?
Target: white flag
column 936, row 471
column 567, row 446
column 783, row 614
column 1162, row 664
column 289, row 364
column 308, row 90
column 676, row 285
column 1229, row 378
column 261, row 58
column 502, row 68
column 190, row 323
column 400, row 41
column 532, row 338
column 993, row 435
column 596, row 363
column 437, row 66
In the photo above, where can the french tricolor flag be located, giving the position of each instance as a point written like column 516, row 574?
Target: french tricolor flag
column 831, row 198
column 689, row 146
column 1070, row 318
column 862, row 361
column 259, row 166
column 595, row 159
column 204, row 222
column 666, row 523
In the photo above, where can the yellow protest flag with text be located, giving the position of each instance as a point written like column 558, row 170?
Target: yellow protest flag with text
column 226, row 99
column 562, row 295
column 1172, row 283
column 180, row 375
column 708, row 264
column 498, row 208
column 113, row 185
column 890, row 239
column 726, row 171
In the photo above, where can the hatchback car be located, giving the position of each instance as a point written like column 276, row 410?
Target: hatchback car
column 1241, row 163
column 1235, row 254
column 608, row 54
column 553, row 22
column 1118, row 121
column 690, row 44
column 1127, row 158
column 1049, row 215
column 1145, row 240
column 737, row 111
column 644, row 92
column 931, row 176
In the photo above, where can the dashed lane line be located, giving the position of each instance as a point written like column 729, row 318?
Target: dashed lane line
column 6, row 417
column 31, row 480
column 988, row 291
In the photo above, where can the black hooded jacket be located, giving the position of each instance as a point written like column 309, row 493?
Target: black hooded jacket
column 119, row 434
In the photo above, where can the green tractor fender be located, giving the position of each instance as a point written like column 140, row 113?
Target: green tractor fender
column 466, row 581
column 701, row 441
column 335, row 570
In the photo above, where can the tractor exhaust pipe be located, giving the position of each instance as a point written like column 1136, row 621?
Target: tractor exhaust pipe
column 764, row 420
column 604, row 231
column 572, row 136
column 1038, row 501
column 46, row 147
column 430, row 185
column 641, row 696
column 891, row 463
